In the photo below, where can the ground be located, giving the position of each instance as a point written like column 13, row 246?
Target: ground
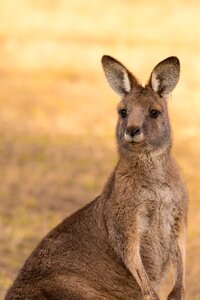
column 57, row 113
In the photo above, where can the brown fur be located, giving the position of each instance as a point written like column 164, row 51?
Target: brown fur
column 119, row 246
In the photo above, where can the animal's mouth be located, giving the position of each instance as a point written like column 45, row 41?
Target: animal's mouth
column 134, row 145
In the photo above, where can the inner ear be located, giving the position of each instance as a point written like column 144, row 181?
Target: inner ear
column 126, row 79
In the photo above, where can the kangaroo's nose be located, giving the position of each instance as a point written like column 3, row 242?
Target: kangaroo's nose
column 133, row 131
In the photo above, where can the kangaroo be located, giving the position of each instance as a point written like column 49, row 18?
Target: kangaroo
column 120, row 245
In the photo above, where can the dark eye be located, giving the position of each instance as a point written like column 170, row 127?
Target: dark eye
column 123, row 113
column 154, row 113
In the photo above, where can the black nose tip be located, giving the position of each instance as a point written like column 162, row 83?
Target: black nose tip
column 133, row 131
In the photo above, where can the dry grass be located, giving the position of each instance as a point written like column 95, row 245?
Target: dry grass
column 58, row 115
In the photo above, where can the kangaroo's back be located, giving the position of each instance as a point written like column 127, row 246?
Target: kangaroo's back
column 75, row 261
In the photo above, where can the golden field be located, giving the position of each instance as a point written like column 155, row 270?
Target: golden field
column 57, row 113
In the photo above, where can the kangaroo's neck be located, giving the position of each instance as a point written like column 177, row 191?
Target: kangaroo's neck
column 147, row 163
column 145, row 169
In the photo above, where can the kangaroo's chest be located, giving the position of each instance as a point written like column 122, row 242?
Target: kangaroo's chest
column 157, row 209
column 161, row 217
column 156, row 218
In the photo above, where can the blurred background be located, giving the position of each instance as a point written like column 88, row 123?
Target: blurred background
column 57, row 113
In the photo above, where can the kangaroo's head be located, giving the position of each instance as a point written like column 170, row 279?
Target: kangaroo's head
column 143, row 124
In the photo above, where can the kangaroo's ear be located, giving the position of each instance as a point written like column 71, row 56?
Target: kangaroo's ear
column 119, row 78
column 165, row 76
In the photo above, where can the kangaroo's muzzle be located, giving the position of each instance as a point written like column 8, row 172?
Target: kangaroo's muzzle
column 133, row 134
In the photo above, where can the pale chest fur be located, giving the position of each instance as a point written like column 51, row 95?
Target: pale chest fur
column 156, row 215
column 156, row 208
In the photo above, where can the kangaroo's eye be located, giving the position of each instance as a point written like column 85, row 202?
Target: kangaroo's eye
column 123, row 113
column 154, row 113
